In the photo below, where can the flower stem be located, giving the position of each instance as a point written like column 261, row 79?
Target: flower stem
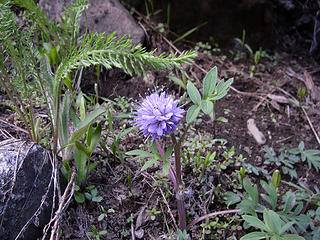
column 179, row 187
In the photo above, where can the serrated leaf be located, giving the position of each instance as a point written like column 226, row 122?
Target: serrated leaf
column 312, row 158
column 192, row 113
column 209, row 83
column 206, row 106
column 194, row 93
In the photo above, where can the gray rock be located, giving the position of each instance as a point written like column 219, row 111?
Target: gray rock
column 102, row 16
column 25, row 174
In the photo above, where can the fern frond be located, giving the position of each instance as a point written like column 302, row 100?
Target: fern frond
column 71, row 20
column 99, row 49
column 7, row 22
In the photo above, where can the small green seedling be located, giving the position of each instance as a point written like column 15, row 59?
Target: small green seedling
column 95, row 233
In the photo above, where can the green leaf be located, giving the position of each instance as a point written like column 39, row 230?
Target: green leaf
column 209, row 83
column 139, row 153
column 165, row 168
column 285, row 227
column 83, row 125
column 255, row 222
column 64, row 119
column 92, row 166
column 206, row 106
column 272, row 196
column 94, row 138
column 103, row 232
column 149, row 163
column 97, row 199
column 252, row 190
column 312, row 158
column 222, row 89
column 272, row 221
column 82, row 148
column 79, row 197
column 192, row 113
column 292, row 237
column 254, row 236
column 231, row 198
column 168, row 152
column 177, row 81
column 194, row 93
column 101, row 217
column 222, row 119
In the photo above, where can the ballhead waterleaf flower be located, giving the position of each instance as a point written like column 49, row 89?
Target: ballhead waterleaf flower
column 158, row 115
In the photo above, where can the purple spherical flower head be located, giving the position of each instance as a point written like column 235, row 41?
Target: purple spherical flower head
column 157, row 115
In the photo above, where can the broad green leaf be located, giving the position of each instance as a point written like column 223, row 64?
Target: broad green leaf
column 292, row 237
column 272, row 221
column 139, row 153
column 192, row 113
column 231, row 198
column 149, row 163
column 272, row 195
column 251, row 189
column 64, row 119
column 206, row 106
column 222, row 89
column 222, row 119
column 194, row 93
column 79, row 197
column 254, row 236
column 95, row 137
column 101, row 217
column 81, row 164
column 82, row 148
column 224, row 85
column 97, row 199
column 255, row 222
column 209, row 83
column 285, row 227
column 83, row 125
column 165, row 168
